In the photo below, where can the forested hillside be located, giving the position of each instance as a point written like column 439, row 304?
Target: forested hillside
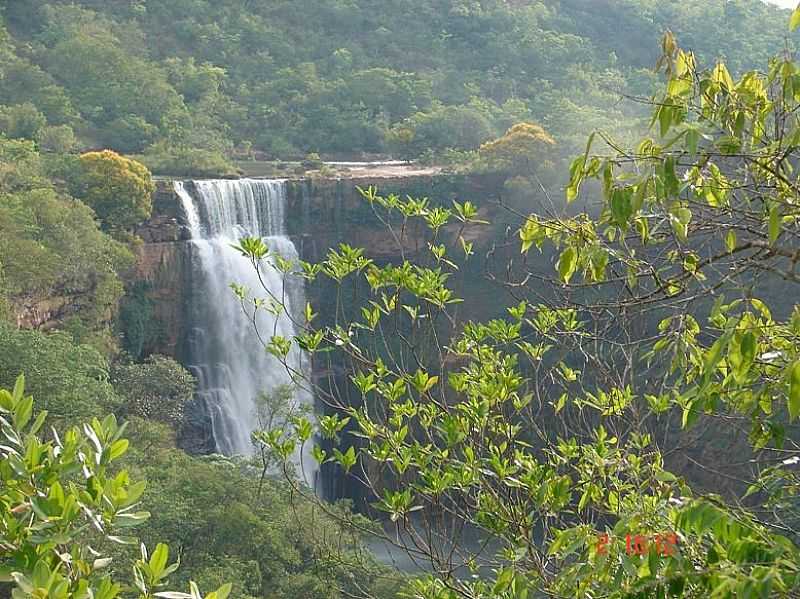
column 65, row 256
column 345, row 77
column 639, row 379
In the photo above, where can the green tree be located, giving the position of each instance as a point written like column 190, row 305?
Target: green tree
column 23, row 121
column 54, row 258
column 157, row 389
column 521, row 151
column 60, row 495
column 195, row 82
column 70, row 380
column 555, row 435
column 183, row 161
column 59, row 139
column 129, row 133
column 24, row 82
column 225, row 70
column 458, row 127
column 106, row 79
column 229, row 524
column 118, row 189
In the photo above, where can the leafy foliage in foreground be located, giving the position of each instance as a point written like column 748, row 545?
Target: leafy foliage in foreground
column 549, row 433
column 229, row 525
column 68, row 512
column 56, row 495
column 226, row 519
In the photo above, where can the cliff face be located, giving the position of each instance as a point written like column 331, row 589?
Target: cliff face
column 321, row 213
column 44, row 313
column 163, row 268
column 326, row 212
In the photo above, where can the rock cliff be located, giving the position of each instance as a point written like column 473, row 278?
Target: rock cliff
column 322, row 213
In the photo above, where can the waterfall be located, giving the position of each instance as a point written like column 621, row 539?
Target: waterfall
column 226, row 355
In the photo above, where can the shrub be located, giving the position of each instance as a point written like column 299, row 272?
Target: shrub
column 312, row 161
column 519, row 152
column 21, row 121
column 59, row 139
column 158, row 389
column 187, row 162
column 119, row 190
column 60, row 495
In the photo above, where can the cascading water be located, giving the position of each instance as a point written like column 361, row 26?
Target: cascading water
column 227, row 356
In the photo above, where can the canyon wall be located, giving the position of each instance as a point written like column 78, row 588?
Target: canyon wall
column 321, row 214
column 163, row 270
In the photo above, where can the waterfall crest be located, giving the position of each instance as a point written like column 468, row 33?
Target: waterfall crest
column 226, row 354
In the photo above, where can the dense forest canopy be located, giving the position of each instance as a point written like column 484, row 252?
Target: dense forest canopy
column 407, row 77
column 93, row 92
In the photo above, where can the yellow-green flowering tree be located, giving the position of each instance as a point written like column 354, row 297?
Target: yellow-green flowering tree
column 519, row 152
column 119, row 189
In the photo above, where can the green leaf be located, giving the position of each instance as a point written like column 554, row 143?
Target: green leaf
column 134, row 493
column 318, row 454
column 671, row 181
column 794, row 391
column 774, row 223
column 576, row 177
column 681, row 217
column 722, row 76
column 158, row 561
column 689, row 415
column 692, row 140
column 6, row 401
column 223, row 591
column 598, row 264
column 303, row 429
column 713, row 357
column 37, row 424
column 748, row 347
column 119, row 448
column 794, row 22
column 568, row 263
column 19, row 388
column 665, row 113
column 621, row 208
column 665, row 477
column 23, row 412
column 561, row 402
column 504, row 580
column 347, row 459
column 431, row 382
column 730, row 241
